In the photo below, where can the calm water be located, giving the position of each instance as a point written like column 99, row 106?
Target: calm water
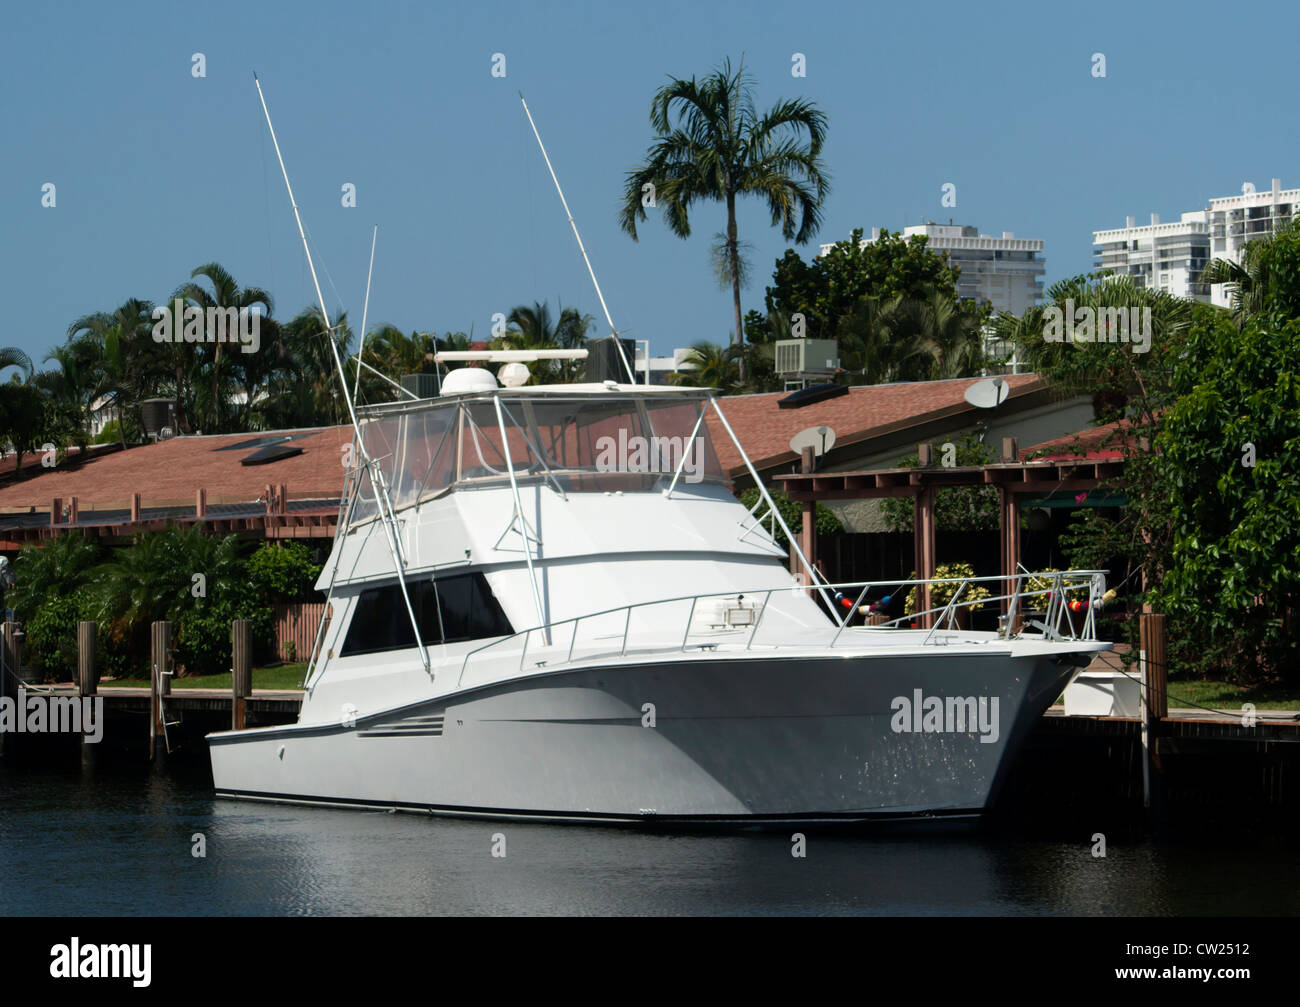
column 119, row 843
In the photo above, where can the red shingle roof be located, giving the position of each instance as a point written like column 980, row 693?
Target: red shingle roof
column 174, row 469
column 1085, row 443
column 868, row 411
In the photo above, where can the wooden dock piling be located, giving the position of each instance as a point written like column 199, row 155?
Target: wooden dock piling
column 87, row 673
column 1155, row 708
column 241, row 670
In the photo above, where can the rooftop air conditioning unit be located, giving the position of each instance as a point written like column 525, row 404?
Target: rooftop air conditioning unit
column 807, row 356
column 424, row 386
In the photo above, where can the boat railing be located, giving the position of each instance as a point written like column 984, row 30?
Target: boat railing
column 1067, row 594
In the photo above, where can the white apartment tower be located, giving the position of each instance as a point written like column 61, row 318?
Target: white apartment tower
column 1007, row 272
column 1170, row 257
column 1158, row 256
column 1235, row 220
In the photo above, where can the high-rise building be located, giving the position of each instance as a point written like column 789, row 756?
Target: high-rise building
column 1158, row 256
column 1007, row 272
column 1235, row 220
column 1171, row 257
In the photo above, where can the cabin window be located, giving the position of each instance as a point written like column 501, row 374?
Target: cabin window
column 469, row 611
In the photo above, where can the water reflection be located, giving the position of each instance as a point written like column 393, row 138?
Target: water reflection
column 119, row 843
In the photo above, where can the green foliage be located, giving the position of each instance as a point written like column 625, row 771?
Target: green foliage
column 830, row 286
column 792, row 513
column 941, row 594
column 203, row 643
column 283, row 572
column 711, row 144
column 52, row 633
column 111, row 433
column 956, row 508
column 891, row 306
column 1234, row 564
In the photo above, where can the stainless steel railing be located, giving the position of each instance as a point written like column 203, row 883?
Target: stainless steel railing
column 1057, row 623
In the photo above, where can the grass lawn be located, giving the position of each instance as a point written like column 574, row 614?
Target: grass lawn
column 284, row 676
column 1223, row 696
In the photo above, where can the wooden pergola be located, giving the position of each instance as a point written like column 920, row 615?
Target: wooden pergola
column 1013, row 478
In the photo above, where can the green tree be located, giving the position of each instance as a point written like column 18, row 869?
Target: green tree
column 1268, row 274
column 956, row 508
column 1229, row 457
column 225, row 293
column 709, row 365
column 711, row 144
column 828, row 287
column 792, row 514
column 533, row 328
column 116, row 348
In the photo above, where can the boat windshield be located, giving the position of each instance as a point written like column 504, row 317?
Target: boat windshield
column 577, row 444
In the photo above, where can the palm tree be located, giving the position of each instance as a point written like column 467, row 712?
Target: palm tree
column 944, row 333
column 389, row 349
column 113, row 344
column 225, row 293
column 534, row 329
column 1251, row 280
column 303, row 389
column 16, row 401
column 711, row 366
column 712, row 144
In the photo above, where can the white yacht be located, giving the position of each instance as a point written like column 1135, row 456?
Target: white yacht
column 546, row 602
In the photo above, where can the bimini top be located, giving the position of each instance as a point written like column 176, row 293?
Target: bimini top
column 574, row 438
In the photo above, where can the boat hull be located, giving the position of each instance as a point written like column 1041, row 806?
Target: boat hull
column 709, row 740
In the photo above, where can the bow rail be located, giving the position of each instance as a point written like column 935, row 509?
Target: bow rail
column 735, row 617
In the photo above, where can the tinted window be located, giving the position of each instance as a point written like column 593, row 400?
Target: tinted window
column 469, row 611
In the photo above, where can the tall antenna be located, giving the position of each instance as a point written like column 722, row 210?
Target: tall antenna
column 374, row 236
column 618, row 343
column 377, row 484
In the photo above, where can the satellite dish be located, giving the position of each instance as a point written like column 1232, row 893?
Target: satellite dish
column 988, row 394
column 1247, row 188
column 820, row 439
column 513, row 375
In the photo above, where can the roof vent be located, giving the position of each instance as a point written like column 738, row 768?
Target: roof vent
column 813, row 393
column 271, row 453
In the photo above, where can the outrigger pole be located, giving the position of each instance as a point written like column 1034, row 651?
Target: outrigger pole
column 572, row 223
column 377, row 484
column 374, row 236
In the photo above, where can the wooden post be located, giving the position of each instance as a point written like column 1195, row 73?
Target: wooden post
column 923, row 548
column 1009, row 533
column 1155, row 707
column 73, row 509
column 87, row 673
column 808, row 532
column 200, row 503
column 241, row 670
column 135, row 507
column 160, row 640
column 281, row 501
column 1152, row 641
column 1010, row 449
column 56, row 510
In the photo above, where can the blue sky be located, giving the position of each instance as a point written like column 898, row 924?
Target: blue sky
column 158, row 172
